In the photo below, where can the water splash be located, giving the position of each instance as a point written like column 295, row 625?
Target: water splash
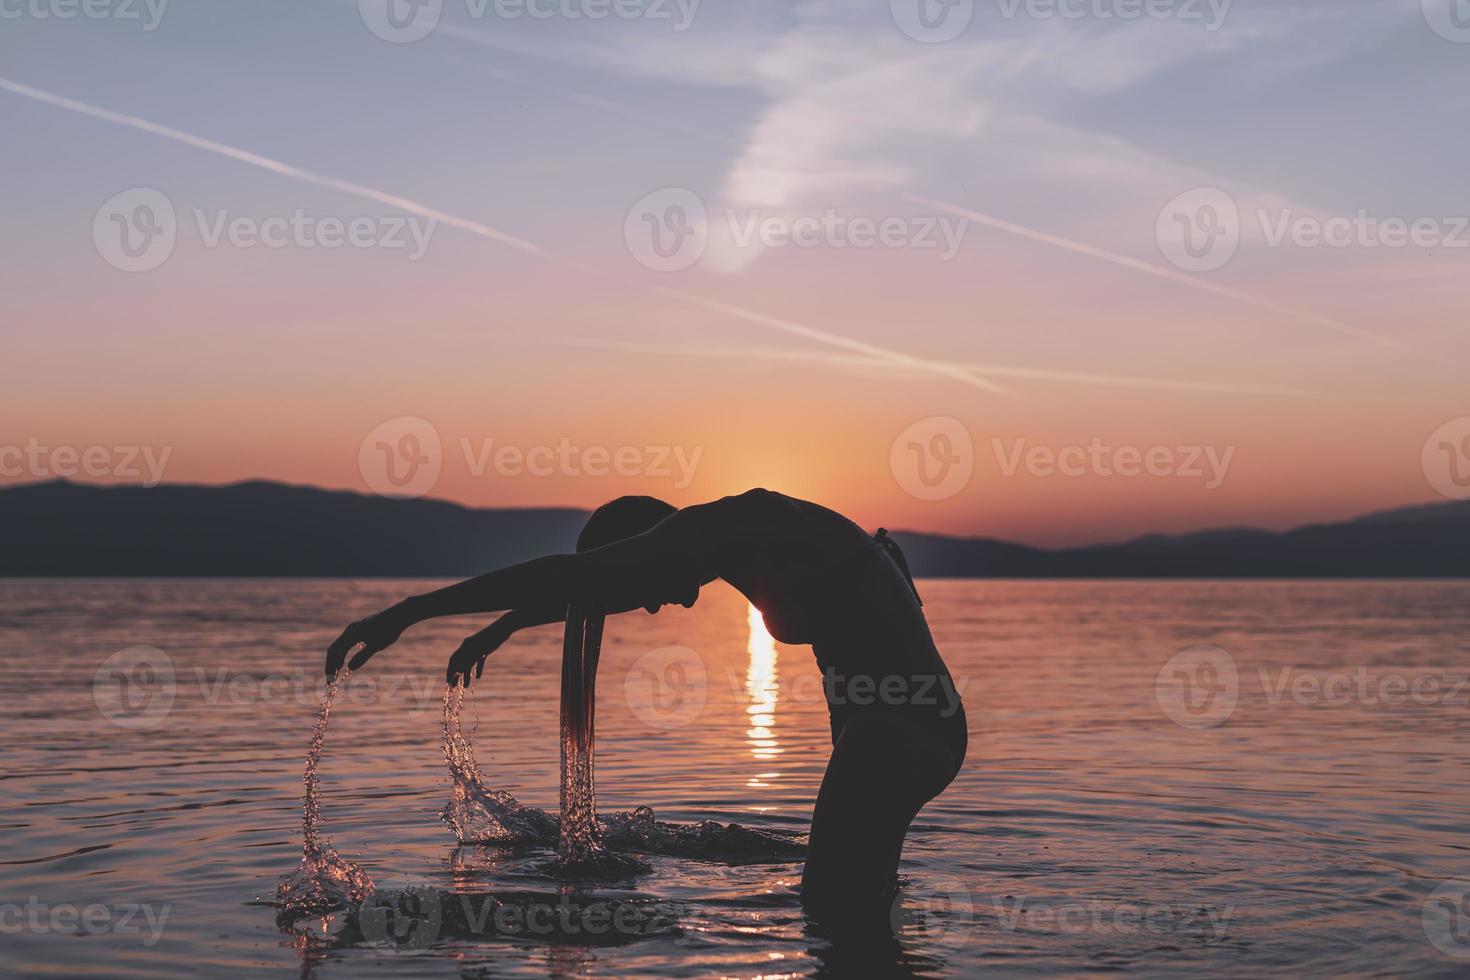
column 709, row 840
column 579, row 846
column 476, row 813
column 479, row 815
column 325, row 880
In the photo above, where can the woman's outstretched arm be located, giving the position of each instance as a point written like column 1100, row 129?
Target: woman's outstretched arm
column 644, row 570
column 472, row 652
column 538, row 583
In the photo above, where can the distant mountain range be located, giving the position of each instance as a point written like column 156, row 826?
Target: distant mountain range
column 259, row 529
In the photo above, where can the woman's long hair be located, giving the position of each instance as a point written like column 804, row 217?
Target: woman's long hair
column 581, row 649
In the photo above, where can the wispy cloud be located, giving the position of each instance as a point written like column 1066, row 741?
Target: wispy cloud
column 1161, row 272
column 482, row 230
column 1051, row 375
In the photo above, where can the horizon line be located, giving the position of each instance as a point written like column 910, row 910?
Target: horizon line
column 444, row 501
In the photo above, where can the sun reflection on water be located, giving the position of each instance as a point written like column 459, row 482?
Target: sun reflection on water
column 761, row 687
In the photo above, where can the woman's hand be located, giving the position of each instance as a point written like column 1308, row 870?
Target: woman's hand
column 473, row 651
column 372, row 634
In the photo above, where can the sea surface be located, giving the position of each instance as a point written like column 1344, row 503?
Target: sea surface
column 1212, row 778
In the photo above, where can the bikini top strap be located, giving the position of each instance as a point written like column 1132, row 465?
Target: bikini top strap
column 896, row 553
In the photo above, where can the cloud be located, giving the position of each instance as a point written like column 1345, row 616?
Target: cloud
column 481, row 230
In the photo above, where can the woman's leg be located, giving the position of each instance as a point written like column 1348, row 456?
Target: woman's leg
column 882, row 772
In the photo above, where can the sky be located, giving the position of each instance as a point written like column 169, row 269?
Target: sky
column 1056, row 271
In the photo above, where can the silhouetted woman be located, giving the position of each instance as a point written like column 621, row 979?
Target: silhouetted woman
column 898, row 729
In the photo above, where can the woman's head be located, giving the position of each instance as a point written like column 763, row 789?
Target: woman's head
column 622, row 518
column 628, row 517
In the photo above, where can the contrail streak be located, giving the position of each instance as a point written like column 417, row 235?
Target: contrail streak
column 503, row 238
column 595, row 101
column 1260, row 302
column 1087, row 378
column 1173, row 275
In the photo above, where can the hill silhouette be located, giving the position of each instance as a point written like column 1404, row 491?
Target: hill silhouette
column 262, row 529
